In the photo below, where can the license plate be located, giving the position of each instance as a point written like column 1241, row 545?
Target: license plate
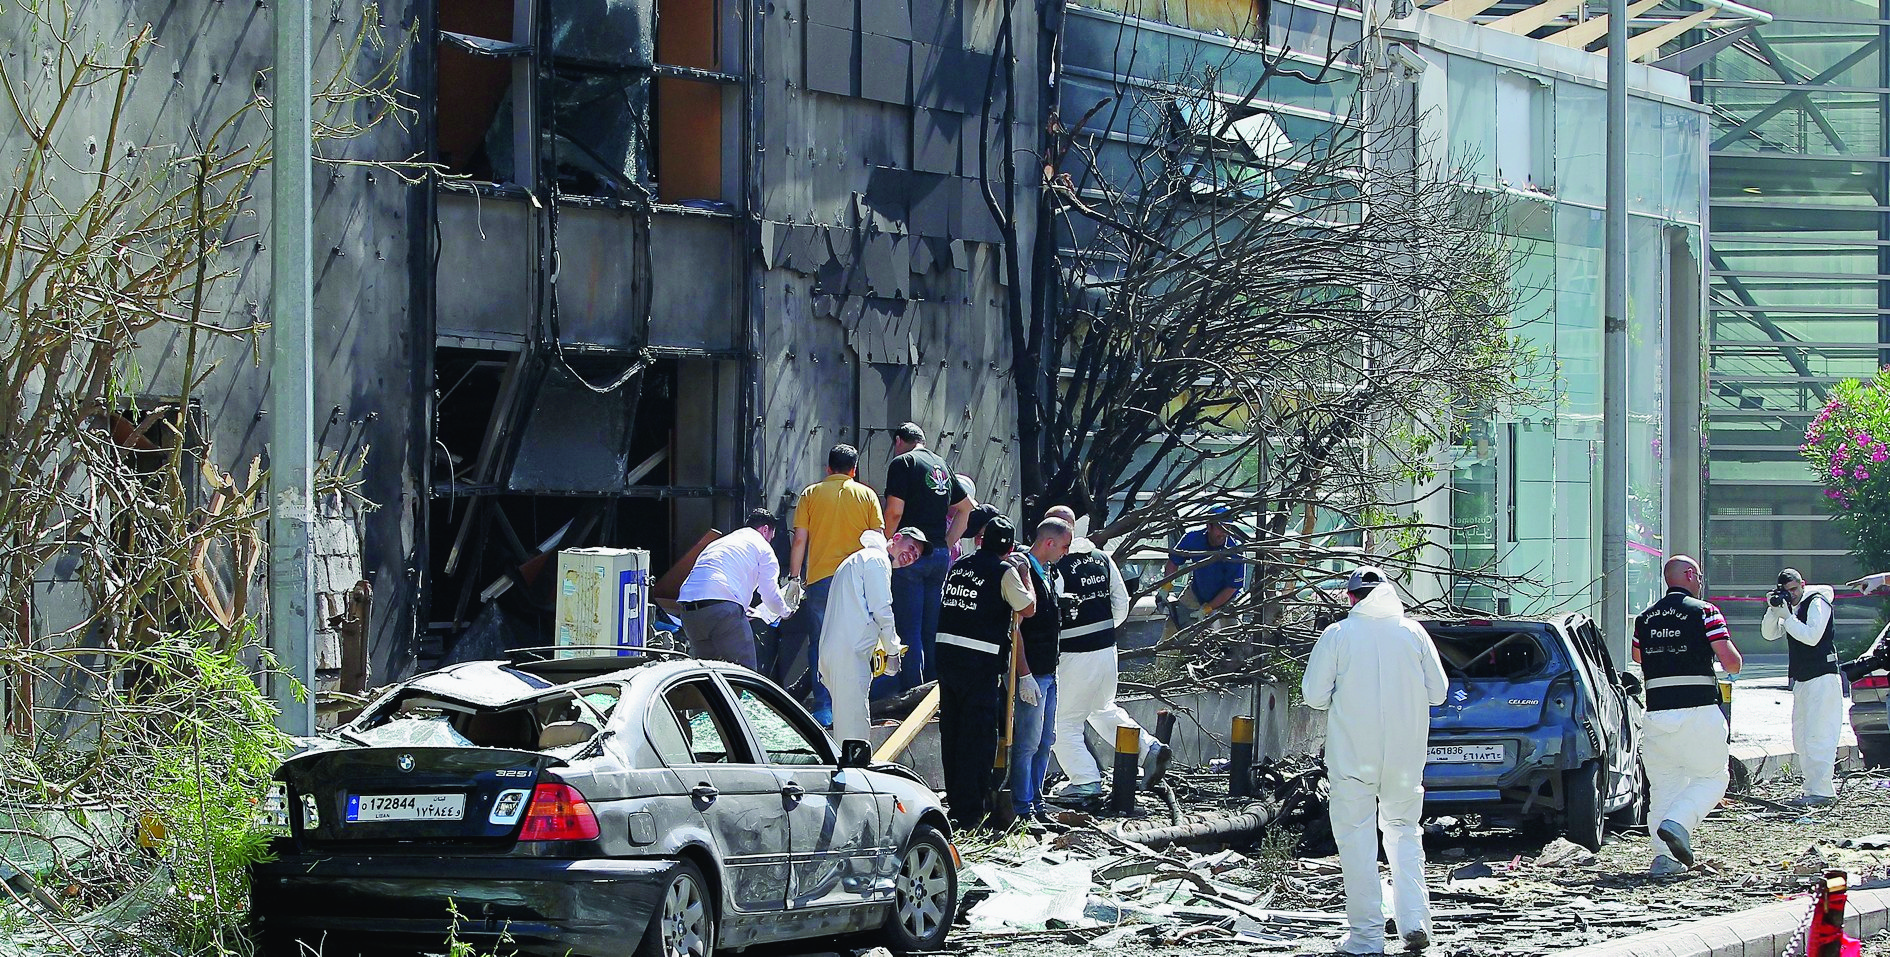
column 1464, row 754
column 373, row 808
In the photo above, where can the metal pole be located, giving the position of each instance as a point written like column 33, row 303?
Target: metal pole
column 291, row 380
column 1614, row 386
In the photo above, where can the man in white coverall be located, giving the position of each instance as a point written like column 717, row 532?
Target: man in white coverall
column 1094, row 604
column 1377, row 675
column 1802, row 613
column 859, row 620
column 1683, row 742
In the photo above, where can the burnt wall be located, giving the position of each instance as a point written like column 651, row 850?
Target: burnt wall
column 881, row 290
column 208, row 60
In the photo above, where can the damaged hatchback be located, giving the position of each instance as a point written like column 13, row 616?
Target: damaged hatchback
column 592, row 806
column 1537, row 726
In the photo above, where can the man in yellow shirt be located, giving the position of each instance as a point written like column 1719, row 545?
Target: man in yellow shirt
column 827, row 525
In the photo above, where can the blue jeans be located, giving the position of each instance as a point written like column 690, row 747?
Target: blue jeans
column 1033, row 730
column 805, row 625
column 917, row 590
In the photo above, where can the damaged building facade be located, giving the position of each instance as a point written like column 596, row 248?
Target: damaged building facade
column 636, row 265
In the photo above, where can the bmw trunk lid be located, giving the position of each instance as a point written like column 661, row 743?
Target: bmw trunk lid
column 394, row 794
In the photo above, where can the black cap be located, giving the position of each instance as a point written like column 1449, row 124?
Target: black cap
column 1790, row 576
column 1364, row 579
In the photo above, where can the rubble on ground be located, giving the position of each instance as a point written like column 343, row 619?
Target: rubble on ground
column 1078, row 882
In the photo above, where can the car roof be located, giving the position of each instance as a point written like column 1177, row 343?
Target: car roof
column 499, row 683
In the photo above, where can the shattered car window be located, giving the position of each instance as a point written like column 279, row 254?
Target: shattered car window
column 779, row 738
column 416, row 731
column 1491, row 654
column 708, row 736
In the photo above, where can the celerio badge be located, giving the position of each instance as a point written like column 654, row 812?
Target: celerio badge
column 406, row 762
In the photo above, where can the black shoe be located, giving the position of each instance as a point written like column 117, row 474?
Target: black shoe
column 1159, row 758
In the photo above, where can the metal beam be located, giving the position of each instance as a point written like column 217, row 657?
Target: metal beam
column 1614, row 380
column 1461, row 9
column 1648, row 42
column 291, row 377
column 1525, row 22
column 1588, row 31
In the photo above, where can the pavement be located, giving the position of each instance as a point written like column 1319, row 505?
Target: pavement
column 1760, row 932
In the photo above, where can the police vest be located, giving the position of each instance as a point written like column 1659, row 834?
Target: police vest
column 1676, row 654
column 1806, row 662
column 1089, row 622
column 1041, row 628
column 974, row 620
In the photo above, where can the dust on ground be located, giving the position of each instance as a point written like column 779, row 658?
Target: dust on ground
column 1495, row 892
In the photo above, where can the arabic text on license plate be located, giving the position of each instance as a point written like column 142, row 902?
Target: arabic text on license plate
column 1466, row 754
column 369, row 808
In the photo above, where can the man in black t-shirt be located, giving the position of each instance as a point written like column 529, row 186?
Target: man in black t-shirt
column 920, row 492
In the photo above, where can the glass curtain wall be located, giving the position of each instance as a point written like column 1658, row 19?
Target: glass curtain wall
column 1536, row 464
column 1800, row 283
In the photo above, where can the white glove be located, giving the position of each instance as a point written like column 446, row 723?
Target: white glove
column 1028, row 692
column 792, row 593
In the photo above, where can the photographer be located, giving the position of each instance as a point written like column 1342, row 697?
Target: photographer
column 1803, row 613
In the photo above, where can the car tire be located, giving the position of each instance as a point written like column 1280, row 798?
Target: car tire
column 1874, row 749
column 926, row 896
column 1583, row 819
column 683, row 924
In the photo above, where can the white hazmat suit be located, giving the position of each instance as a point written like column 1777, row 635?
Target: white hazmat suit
column 1817, row 704
column 859, row 619
column 1377, row 675
column 1086, row 692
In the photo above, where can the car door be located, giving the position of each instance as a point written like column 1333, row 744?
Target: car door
column 738, row 796
column 1613, row 717
column 838, row 830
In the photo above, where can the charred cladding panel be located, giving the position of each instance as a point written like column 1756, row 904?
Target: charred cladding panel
column 486, row 283
column 875, row 232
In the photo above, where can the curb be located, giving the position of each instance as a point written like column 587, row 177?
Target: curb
column 1760, row 932
column 1753, row 765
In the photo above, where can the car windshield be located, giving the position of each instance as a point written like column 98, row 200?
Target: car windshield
column 1490, row 653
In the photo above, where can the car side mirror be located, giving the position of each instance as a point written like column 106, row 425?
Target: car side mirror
column 855, row 753
column 1630, row 683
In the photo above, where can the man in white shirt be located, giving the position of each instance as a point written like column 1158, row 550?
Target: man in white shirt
column 725, row 580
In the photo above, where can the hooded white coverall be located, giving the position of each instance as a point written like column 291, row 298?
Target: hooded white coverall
column 1377, row 675
column 859, row 619
column 1086, row 692
column 1817, row 704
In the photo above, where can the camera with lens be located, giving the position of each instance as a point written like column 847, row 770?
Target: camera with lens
column 1779, row 597
column 1878, row 657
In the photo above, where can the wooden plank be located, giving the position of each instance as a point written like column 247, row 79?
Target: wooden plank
column 669, row 587
column 909, row 729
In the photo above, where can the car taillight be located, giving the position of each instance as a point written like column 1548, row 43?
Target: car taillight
column 558, row 813
column 1873, row 681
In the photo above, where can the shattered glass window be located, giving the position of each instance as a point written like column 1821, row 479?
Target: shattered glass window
column 784, row 743
column 1491, row 654
column 598, row 119
column 707, row 734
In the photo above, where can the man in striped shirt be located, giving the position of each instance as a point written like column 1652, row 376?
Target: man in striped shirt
column 1683, row 744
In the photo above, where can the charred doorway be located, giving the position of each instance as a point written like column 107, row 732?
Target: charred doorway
column 528, row 460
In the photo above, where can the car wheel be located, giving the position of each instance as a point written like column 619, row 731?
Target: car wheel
column 926, row 896
column 1874, row 749
column 684, row 922
column 1583, row 819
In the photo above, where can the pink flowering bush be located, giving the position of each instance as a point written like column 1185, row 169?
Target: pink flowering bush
column 1848, row 445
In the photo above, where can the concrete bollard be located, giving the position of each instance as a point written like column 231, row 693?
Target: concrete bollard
column 1123, row 781
column 1240, row 758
